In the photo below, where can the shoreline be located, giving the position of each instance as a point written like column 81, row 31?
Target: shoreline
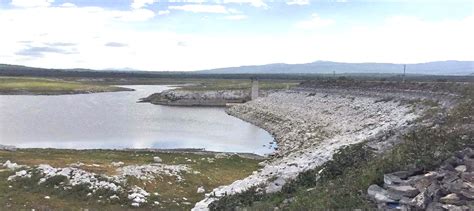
column 195, row 151
column 310, row 124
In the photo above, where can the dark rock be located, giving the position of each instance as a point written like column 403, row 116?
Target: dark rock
column 450, row 163
column 450, row 177
column 452, row 199
column 405, row 174
column 455, row 186
column 469, row 162
column 451, row 207
column 450, row 187
column 402, row 190
column 422, row 182
column 434, row 206
column 405, row 201
column 468, row 193
column 447, row 167
column 469, row 152
column 434, row 191
column 468, row 177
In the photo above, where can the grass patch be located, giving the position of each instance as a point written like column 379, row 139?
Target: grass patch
column 17, row 85
column 27, row 194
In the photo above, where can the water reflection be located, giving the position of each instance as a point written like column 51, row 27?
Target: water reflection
column 115, row 120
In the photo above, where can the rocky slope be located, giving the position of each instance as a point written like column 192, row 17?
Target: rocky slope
column 451, row 187
column 310, row 124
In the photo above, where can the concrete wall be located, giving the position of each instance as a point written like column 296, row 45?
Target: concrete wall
column 254, row 94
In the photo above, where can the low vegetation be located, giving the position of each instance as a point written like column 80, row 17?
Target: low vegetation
column 231, row 84
column 207, row 171
column 43, row 86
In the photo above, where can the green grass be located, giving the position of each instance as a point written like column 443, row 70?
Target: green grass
column 25, row 195
column 23, row 85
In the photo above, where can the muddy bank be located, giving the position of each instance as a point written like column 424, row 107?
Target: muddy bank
column 310, row 123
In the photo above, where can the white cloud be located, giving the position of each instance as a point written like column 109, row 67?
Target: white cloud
column 255, row 3
column 31, row 3
column 297, row 2
column 315, row 22
column 163, row 12
column 69, row 37
column 200, row 8
column 134, row 15
column 138, row 4
column 68, row 5
column 235, row 11
column 235, row 17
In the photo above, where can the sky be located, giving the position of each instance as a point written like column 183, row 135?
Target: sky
column 184, row 35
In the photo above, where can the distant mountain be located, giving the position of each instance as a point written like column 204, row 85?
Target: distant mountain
column 327, row 67
column 459, row 68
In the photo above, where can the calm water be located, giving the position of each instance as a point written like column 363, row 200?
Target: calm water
column 115, row 120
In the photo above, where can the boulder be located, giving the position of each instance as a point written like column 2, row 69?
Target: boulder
column 452, row 198
column 468, row 177
column 469, row 162
column 402, row 190
column 157, row 159
column 391, row 179
column 434, row 206
column 468, row 193
column 461, row 168
column 379, row 194
column 421, row 201
column 201, row 190
column 454, row 187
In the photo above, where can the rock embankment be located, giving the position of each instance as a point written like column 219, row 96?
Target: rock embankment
column 179, row 97
column 450, row 187
column 309, row 126
column 198, row 98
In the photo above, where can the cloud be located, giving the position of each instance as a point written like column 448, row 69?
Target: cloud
column 236, row 17
column 138, row 4
column 163, row 12
column 115, row 44
column 133, row 15
column 31, row 3
column 315, row 22
column 60, row 44
column 297, row 2
column 201, row 8
column 68, row 5
column 41, row 51
column 69, row 37
column 255, row 3
column 182, row 44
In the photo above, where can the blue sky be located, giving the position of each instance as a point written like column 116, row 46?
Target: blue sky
column 198, row 34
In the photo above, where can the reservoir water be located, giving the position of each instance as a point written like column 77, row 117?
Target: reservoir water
column 115, row 120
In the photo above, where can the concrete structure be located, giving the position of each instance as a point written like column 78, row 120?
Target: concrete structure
column 254, row 94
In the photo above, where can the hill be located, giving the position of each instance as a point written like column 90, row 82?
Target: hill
column 327, row 67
